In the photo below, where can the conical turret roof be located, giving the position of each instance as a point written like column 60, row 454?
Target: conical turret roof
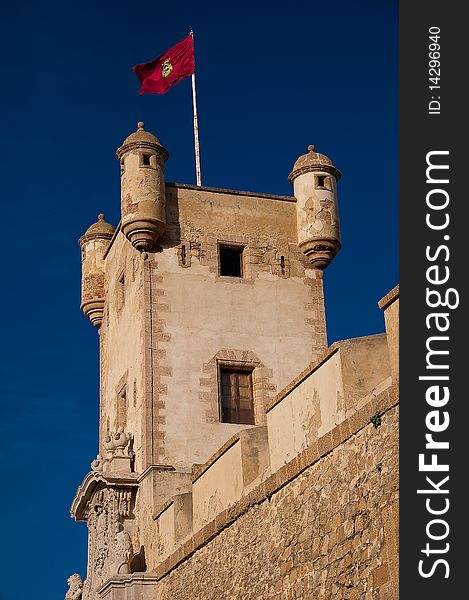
column 100, row 229
column 141, row 138
column 313, row 161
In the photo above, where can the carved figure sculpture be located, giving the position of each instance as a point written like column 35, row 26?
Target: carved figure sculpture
column 75, row 590
column 123, row 551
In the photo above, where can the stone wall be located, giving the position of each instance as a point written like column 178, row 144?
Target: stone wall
column 327, row 531
column 325, row 394
column 321, row 522
column 299, row 508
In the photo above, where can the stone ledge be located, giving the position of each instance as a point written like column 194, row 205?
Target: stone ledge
column 199, row 188
column 314, row 366
column 226, row 446
column 151, row 468
column 389, row 298
column 302, row 376
column 160, row 509
column 382, row 403
column 137, row 586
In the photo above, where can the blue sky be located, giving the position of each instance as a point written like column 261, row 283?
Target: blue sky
column 270, row 81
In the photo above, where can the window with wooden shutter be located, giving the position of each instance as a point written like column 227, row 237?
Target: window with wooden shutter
column 236, row 397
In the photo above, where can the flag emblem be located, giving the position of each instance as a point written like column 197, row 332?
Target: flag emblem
column 166, row 68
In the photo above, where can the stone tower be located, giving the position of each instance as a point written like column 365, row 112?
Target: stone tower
column 208, row 302
column 314, row 178
column 142, row 159
column 94, row 243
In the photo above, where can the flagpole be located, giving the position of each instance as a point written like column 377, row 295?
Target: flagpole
column 196, row 128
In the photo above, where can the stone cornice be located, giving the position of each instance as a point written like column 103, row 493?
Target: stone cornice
column 91, row 482
column 315, row 169
column 127, row 582
column 389, row 298
column 198, row 188
column 95, row 235
column 151, row 468
column 144, row 144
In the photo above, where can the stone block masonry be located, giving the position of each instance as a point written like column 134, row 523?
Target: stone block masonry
column 325, row 531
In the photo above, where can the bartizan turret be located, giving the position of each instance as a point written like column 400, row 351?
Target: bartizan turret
column 314, row 178
column 94, row 243
column 142, row 159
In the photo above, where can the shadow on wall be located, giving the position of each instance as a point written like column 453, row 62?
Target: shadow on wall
column 139, row 564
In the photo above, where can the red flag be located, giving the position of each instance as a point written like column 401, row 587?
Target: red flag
column 158, row 75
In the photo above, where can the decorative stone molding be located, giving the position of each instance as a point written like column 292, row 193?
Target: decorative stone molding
column 106, row 502
column 137, row 586
column 94, row 310
column 123, row 485
column 117, row 457
column 242, row 359
column 97, row 464
column 115, row 443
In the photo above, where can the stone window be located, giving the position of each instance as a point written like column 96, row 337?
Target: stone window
column 237, row 361
column 147, row 160
column 323, row 182
column 231, row 260
column 236, row 397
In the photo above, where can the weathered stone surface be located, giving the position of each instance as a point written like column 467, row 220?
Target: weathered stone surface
column 167, row 327
column 390, row 306
column 138, row 586
column 298, row 503
column 75, row 587
column 330, row 533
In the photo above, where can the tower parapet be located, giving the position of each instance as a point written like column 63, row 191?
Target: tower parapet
column 94, row 243
column 314, row 178
column 142, row 158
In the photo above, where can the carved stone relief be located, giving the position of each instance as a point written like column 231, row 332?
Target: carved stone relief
column 109, row 543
